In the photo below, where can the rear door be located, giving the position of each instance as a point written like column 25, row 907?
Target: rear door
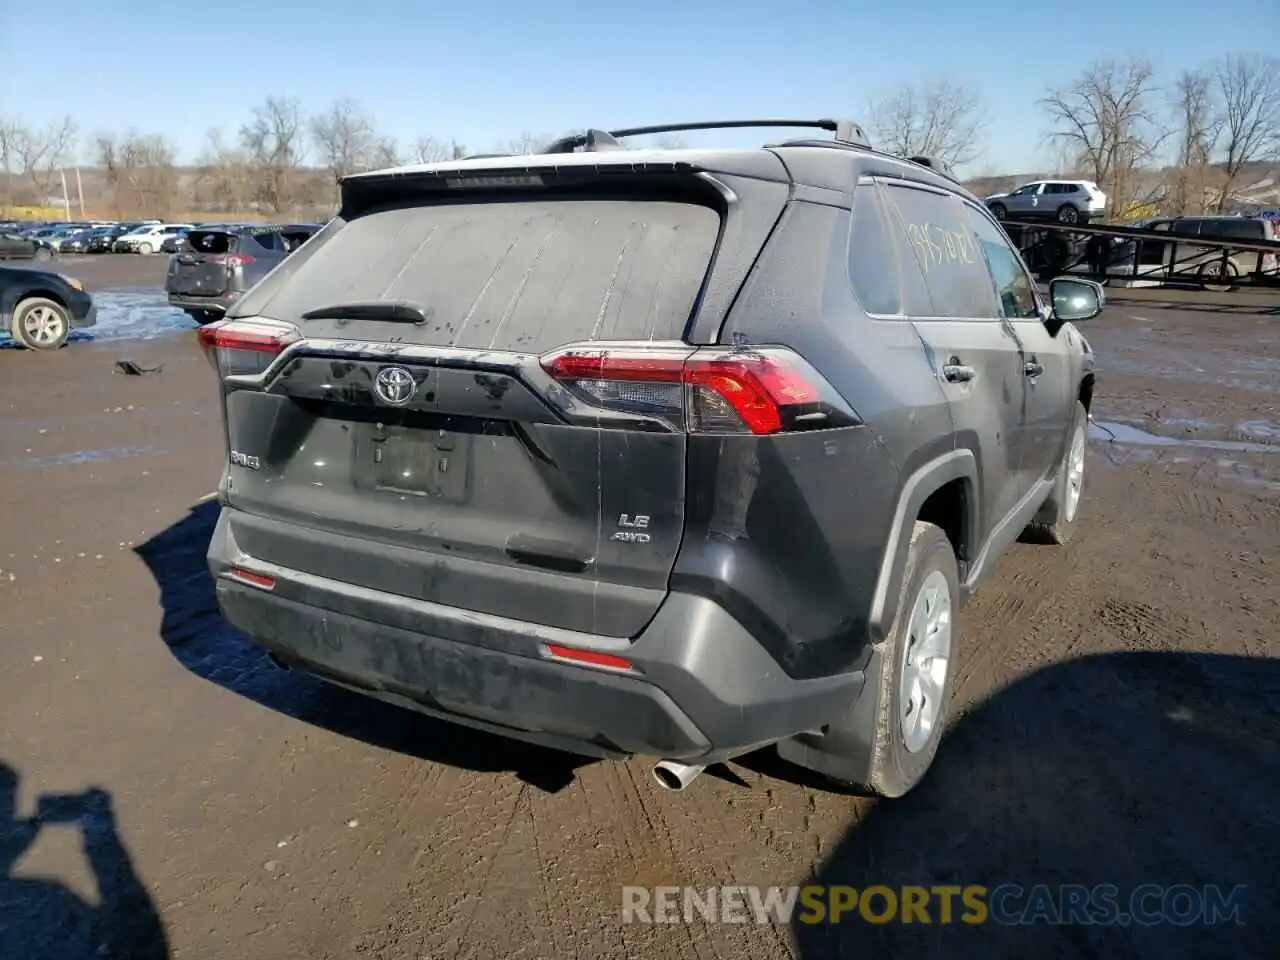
column 1047, row 391
column 974, row 350
column 413, row 449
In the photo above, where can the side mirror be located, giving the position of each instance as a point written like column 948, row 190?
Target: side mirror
column 1074, row 299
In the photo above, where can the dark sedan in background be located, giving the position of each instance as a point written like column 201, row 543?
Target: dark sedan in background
column 40, row 308
column 16, row 247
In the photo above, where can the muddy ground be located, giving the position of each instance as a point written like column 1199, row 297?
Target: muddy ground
column 1120, row 721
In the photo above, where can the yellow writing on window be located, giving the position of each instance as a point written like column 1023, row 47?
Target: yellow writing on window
column 936, row 245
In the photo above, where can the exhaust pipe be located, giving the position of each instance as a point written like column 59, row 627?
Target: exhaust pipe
column 675, row 776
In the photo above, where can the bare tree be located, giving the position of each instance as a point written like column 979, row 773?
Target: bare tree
column 1249, row 88
column 938, row 118
column 429, row 149
column 1196, row 130
column 1107, row 118
column 273, row 141
column 140, row 171
column 10, row 131
column 228, row 172
column 38, row 152
column 345, row 138
column 386, row 153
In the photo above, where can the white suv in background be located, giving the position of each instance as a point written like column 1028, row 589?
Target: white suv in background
column 149, row 239
column 1066, row 201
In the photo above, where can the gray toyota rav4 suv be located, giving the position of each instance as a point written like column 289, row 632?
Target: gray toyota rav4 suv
column 677, row 453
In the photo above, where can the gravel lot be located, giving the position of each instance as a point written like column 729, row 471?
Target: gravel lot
column 1121, row 717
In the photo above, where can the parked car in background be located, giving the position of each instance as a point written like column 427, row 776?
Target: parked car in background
column 40, row 308
column 78, row 242
column 174, row 243
column 1181, row 259
column 14, row 246
column 148, row 239
column 104, row 241
column 1066, row 201
column 216, row 265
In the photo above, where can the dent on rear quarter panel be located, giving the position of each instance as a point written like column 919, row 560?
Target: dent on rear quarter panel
column 787, row 532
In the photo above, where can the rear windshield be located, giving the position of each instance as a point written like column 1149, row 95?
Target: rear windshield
column 524, row 275
column 210, row 241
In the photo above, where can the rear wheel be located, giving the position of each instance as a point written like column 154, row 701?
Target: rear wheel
column 1068, row 214
column 1219, row 276
column 40, row 324
column 44, row 254
column 916, row 668
column 999, row 211
column 145, row 249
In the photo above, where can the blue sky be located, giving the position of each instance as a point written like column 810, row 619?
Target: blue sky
column 484, row 72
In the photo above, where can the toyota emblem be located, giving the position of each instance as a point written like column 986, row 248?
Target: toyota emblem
column 394, row 385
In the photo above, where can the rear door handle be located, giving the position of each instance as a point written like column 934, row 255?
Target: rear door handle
column 957, row 372
column 1033, row 368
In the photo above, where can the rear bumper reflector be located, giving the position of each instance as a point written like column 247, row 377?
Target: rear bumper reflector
column 590, row 658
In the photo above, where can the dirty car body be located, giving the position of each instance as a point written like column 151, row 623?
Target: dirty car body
column 604, row 451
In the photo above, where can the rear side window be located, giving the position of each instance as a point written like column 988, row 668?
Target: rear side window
column 873, row 265
column 1233, row 229
column 1014, row 286
column 1186, row 228
column 934, row 230
column 210, row 241
column 524, row 275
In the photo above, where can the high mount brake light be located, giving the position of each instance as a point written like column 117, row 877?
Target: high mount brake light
column 245, row 347
column 716, row 391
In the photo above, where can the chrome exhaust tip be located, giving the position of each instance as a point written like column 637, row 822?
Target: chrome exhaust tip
column 675, row 776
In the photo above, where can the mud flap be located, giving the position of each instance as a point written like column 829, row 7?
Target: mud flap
column 844, row 751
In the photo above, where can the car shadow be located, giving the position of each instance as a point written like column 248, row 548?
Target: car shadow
column 193, row 629
column 1246, row 308
column 43, row 919
column 1124, row 769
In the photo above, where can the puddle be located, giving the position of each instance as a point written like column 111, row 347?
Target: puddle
column 1127, row 434
column 88, row 456
column 130, row 313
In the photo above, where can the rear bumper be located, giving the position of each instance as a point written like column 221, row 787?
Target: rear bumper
column 702, row 688
column 217, row 304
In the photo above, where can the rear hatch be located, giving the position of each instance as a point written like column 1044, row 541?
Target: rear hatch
column 430, row 437
column 205, row 263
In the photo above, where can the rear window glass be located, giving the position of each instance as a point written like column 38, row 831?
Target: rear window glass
column 210, row 241
column 517, row 275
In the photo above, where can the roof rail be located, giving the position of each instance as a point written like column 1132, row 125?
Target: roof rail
column 845, row 131
column 936, row 165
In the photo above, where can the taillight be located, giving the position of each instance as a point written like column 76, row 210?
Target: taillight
column 245, row 347
column 239, row 260
column 713, row 390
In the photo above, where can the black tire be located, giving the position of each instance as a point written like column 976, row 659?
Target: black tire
column 1216, row 277
column 40, row 324
column 203, row 317
column 999, row 211
column 895, row 769
column 1057, row 520
column 1068, row 214
column 43, row 254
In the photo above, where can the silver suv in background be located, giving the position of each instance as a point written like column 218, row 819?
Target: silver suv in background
column 1066, row 201
column 215, row 265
